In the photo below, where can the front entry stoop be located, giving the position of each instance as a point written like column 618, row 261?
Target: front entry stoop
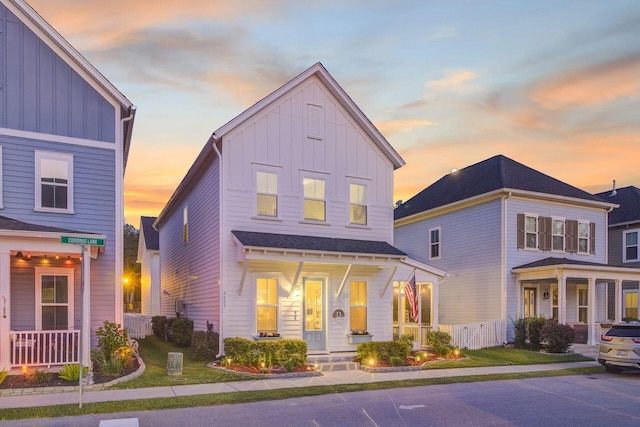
column 333, row 362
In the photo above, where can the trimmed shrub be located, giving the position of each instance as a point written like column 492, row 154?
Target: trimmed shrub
column 535, row 325
column 395, row 361
column 111, row 337
column 383, row 350
column 72, row 372
column 182, row 331
column 287, row 353
column 204, row 345
column 3, row 375
column 520, row 331
column 440, row 342
column 557, row 337
column 159, row 326
column 404, row 337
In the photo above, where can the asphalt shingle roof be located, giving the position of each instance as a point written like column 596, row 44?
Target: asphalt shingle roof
column 151, row 235
column 552, row 261
column 629, row 200
column 15, row 225
column 489, row 175
column 324, row 244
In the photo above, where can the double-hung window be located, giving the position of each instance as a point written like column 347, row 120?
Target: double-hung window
column 434, row 243
column 358, row 306
column 54, row 182
column 583, row 237
column 54, row 298
column 267, row 194
column 630, row 250
column 314, row 199
column 558, row 234
column 357, row 204
column 267, row 304
column 531, row 231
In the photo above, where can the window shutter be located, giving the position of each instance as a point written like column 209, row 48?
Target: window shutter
column 592, row 238
column 572, row 236
column 544, row 233
column 520, row 225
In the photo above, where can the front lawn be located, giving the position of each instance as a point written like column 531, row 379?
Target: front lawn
column 500, row 356
column 154, row 354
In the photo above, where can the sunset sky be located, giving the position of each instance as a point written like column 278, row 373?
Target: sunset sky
column 554, row 85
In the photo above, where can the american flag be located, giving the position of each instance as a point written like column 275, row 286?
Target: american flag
column 411, row 293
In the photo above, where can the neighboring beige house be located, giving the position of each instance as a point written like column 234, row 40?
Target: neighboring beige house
column 149, row 260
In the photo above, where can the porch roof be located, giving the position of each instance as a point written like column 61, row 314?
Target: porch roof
column 10, row 224
column 251, row 239
column 553, row 267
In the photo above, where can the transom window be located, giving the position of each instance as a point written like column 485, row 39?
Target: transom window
column 54, row 182
column 531, row 231
column 314, row 199
column 583, row 237
column 434, row 243
column 558, row 234
column 54, row 298
column 267, row 197
column 358, row 204
column 267, row 304
column 630, row 246
column 358, row 306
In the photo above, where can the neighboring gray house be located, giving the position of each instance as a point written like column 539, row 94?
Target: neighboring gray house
column 624, row 246
column 149, row 260
column 516, row 243
column 65, row 133
column 284, row 224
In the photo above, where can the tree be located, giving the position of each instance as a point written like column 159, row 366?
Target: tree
column 131, row 269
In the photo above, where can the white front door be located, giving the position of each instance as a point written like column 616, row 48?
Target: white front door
column 314, row 330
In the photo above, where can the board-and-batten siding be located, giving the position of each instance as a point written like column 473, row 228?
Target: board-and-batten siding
column 276, row 138
column 40, row 92
column 470, row 253
column 94, row 204
column 190, row 271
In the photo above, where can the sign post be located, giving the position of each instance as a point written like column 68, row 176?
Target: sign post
column 82, row 242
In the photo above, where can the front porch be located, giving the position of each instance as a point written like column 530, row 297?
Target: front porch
column 581, row 294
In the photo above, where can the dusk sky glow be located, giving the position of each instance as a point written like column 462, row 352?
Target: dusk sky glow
column 553, row 85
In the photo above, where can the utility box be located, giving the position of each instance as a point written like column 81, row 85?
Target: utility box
column 174, row 364
column 180, row 306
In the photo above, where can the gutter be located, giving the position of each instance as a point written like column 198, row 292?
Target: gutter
column 126, row 141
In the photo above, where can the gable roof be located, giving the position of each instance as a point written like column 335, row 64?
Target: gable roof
column 629, row 200
column 151, row 235
column 498, row 173
column 320, row 244
column 323, row 75
column 22, row 9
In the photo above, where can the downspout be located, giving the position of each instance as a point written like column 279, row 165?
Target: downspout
column 214, row 140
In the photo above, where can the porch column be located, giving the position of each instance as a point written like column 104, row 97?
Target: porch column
column 5, row 310
column 86, row 306
column 593, row 312
column 518, row 299
column 434, row 305
column 562, row 299
column 618, row 299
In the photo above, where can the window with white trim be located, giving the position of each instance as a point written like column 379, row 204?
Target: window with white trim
column 185, row 224
column 314, row 199
column 358, row 204
column 267, row 194
column 54, row 298
column 583, row 303
column 434, row 243
column 630, row 251
column 358, row 306
column 267, row 304
column 531, row 231
column 54, row 182
column 583, row 237
column 557, row 234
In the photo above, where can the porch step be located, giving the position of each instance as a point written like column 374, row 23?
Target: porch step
column 338, row 366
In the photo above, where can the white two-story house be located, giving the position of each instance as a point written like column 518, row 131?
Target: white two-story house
column 284, row 223
column 515, row 243
column 65, row 132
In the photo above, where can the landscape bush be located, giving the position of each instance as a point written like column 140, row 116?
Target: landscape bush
column 440, row 342
column 204, row 345
column 557, row 337
column 182, row 331
column 383, row 350
column 527, row 332
column 114, row 353
column 72, row 372
column 287, row 353
column 159, row 326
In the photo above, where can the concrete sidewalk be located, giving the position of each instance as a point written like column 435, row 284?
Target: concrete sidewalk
column 327, row 378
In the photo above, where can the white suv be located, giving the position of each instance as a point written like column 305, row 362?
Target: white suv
column 620, row 347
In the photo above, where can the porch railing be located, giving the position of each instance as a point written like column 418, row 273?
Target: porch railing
column 137, row 325
column 474, row 336
column 44, row 348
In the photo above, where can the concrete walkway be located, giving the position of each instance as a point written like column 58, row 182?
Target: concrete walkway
column 327, row 378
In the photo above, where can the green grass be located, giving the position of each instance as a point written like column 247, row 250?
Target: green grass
column 257, row 396
column 154, row 354
column 499, row 356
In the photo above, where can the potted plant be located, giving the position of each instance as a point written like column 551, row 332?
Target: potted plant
column 359, row 336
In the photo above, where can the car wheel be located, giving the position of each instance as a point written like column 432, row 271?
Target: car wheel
column 613, row 369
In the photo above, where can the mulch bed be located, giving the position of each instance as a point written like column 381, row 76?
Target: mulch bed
column 20, row 381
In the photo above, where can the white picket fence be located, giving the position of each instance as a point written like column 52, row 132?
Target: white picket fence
column 137, row 325
column 474, row 336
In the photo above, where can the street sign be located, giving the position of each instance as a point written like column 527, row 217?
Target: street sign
column 86, row 241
